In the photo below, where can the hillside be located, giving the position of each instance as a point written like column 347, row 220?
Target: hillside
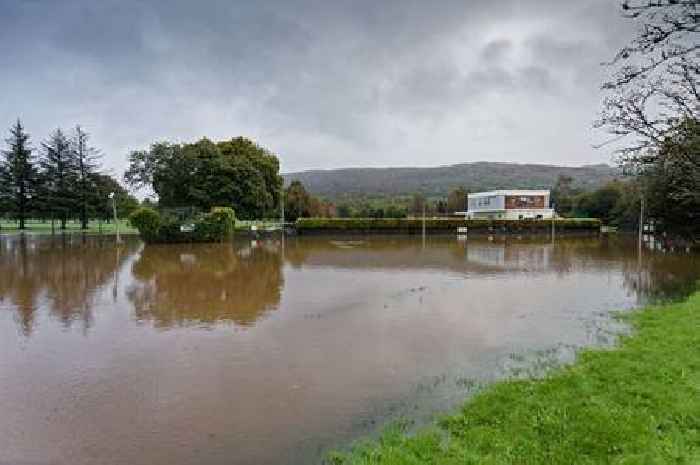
column 439, row 180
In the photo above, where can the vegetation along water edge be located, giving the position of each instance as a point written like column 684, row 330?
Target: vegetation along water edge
column 636, row 404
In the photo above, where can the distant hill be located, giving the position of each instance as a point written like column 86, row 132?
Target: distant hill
column 440, row 180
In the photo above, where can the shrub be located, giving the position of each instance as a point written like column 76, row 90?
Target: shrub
column 447, row 225
column 216, row 225
column 147, row 221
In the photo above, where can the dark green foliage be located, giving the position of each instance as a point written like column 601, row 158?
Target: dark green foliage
column 86, row 159
column 673, row 181
column 236, row 173
column 19, row 179
column 217, row 225
column 59, row 177
column 99, row 203
column 599, row 203
column 638, row 404
column 147, row 221
column 457, row 200
column 298, row 202
column 415, row 226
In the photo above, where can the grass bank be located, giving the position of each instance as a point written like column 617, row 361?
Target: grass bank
column 94, row 227
column 637, row 404
column 441, row 225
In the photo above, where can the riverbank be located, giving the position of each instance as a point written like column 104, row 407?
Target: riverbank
column 636, row 404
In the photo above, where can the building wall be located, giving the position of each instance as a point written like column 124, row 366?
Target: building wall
column 492, row 202
column 513, row 214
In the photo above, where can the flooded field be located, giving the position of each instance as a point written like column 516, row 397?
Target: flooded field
column 263, row 352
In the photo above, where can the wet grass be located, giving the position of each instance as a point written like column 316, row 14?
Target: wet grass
column 37, row 226
column 636, row 404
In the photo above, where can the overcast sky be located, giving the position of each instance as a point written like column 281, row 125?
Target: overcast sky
column 324, row 83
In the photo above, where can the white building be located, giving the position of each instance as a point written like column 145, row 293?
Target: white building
column 509, row 205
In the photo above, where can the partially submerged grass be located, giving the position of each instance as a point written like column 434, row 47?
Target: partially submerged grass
column 94, row 226
column 637, row 404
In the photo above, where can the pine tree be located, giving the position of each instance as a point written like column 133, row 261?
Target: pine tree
column 87, row 160
column 59, row 171
column 19, row 179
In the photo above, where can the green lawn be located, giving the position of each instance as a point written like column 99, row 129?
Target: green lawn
column 72, row 226
column 637, row 404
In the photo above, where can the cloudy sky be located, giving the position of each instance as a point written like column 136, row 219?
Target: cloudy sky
column 322, row 83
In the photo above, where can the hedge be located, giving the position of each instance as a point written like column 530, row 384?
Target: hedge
column 215, row 226
column 415, row 226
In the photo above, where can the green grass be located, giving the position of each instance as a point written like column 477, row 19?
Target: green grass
column 40, row 226
column 637, row 404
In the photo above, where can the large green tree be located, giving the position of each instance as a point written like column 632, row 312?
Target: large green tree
column 237, row 173
column 18, row 175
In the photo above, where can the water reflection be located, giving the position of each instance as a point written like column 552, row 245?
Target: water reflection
column 340, row 335
column 239, row 283
column 178, row 285
column 58, row 273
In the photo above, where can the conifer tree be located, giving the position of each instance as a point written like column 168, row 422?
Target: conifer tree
column 87, row 160
column 18, row 176
column 59, row 171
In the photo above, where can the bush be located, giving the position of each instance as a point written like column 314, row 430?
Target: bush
column 214, row 226
column 147, row 221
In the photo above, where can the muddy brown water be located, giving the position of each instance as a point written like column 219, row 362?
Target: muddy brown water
column 259, row 352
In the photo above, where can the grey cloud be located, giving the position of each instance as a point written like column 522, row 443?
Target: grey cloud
column 325, row 84
column 496, row 50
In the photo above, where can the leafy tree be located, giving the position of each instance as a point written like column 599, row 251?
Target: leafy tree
column 298, row 203
column 100, row 203
column 19, row 176
column 457, row 200
column 87, row 163
column 599, row 203
column 673, row 180
column 563, row 195
column 205, row 174
column 59, row 173
column 394, row 211
column 440, row 207
column 625, row 214
column 344, row 211
column 418, row 204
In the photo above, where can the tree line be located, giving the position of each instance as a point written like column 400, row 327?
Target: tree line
column 652, row 110
column 58, row 181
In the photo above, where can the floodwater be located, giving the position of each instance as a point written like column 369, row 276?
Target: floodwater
column 262, row 352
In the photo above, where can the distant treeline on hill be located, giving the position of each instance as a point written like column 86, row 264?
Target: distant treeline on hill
column 439, row 181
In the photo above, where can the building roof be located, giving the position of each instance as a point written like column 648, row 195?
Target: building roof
column 510, row 192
